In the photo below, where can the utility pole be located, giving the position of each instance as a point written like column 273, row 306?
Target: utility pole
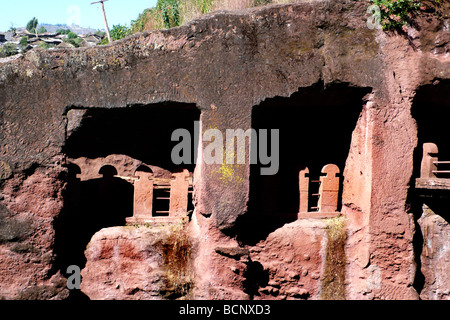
column 104, row 18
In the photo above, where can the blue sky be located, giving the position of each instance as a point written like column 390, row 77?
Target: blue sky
column 81, row 12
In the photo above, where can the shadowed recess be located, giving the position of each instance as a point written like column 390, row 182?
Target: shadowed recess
column 316, row 125
column 141, row 132
column 430, row 110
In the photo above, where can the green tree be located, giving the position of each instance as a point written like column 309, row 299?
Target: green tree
column 23, row 42
column 170, row 12
column 119, row 32
column 63, row 31
column 100, row 33
column 32, row 24
column 72, row 35
column 395, row 14
column 44, row 45
column 74, row 41
column 12, row 29
column 42, row 29
column 8, row 50
column 103, row 42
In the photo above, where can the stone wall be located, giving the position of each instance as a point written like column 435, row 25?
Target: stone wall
column 226, row 65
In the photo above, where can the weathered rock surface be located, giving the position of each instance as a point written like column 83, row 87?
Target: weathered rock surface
column 219, row 263
column 131, row 263
column 435, row 256
column 134, row 263
column 126, row 166
column 226, row 65
column 291, row 261
column 29, row 205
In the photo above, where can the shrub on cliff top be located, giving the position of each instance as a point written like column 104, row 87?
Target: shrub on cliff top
column 170, row 12
column 8, row 50
column 23, row 42
column 173, row 13
column 119, row 32
column 396, row 14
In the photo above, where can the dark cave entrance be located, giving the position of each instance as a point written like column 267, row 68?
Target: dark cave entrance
column 139, row 132
column 430, row 108
column 315, row 127
column 89, row 206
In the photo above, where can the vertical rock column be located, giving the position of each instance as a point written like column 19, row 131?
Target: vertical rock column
column 143, row 197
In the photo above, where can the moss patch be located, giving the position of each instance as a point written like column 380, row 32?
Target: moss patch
column 333, row 278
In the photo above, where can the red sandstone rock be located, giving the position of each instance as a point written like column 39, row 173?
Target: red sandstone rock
column 218, row 266
column 267, row 52
column 143, row 195
column 292, row 258
column 27, row 237
column 435, row 256
column 125, row 165
column 129, row 263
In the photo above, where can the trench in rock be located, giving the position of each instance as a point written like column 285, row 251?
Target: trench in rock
column 139, row 132
column 315, row 129
column 430, row 110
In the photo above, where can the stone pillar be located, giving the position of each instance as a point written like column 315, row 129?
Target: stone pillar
column 329, row 189
column 179, row 193
column 435, row 255
column 143, row 195
column 303, row 182
column 430, row 151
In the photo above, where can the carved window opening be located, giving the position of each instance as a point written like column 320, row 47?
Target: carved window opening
column 104, row 147
column 430, row 185
column 315, row 126
column 429, row 191
column 432, row 155
column 320, row 197
column 92, row 201
column 162, row 199
column 431, row 166
column 159, row 198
